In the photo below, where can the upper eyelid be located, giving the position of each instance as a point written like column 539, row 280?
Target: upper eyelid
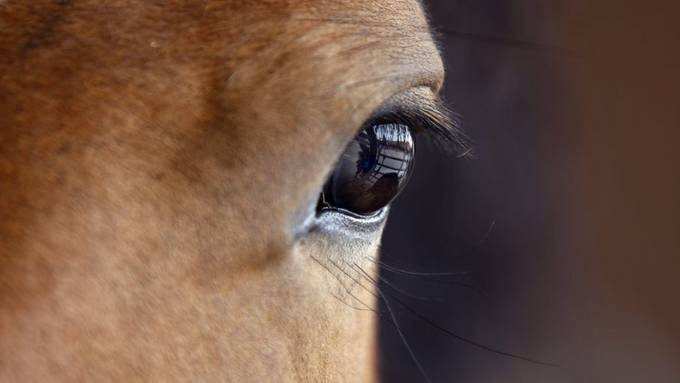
column 424, row 113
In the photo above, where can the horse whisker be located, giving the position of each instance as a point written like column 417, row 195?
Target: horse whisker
column 396, row 325
column 418, row 273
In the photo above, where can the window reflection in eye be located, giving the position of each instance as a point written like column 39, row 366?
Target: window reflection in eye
column 372, row 171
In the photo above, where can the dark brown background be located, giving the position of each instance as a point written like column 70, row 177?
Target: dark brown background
column 567, row 219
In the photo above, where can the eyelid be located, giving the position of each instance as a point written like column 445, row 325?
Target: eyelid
column 422, row 112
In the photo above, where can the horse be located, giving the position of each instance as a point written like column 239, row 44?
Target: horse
column 196, row 190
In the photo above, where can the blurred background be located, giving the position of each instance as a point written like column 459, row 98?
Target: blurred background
column 561, row 235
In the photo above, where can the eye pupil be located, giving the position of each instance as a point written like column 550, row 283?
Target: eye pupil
column 373, row 169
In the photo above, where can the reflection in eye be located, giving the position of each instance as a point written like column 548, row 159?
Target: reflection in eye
column 374, row 168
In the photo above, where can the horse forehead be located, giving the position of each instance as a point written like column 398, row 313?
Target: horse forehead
column 335, row 48
column 383, row 33
column 400, row 22
column 134, row 34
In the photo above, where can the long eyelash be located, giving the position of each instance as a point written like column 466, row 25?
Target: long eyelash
column 438, row 122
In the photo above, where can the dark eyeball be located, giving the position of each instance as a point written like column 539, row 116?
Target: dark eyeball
column 372, row 171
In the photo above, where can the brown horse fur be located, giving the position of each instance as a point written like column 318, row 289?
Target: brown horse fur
column 156, row 159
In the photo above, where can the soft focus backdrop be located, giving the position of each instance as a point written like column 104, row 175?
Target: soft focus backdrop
column 565, row 222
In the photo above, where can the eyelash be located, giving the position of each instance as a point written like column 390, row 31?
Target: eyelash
column 438, row 124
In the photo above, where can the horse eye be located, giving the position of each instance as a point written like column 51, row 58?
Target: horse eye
column 374, row 168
